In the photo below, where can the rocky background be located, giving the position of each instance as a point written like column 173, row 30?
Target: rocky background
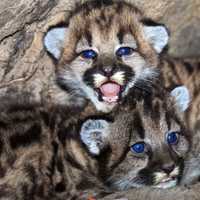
column 24, row 65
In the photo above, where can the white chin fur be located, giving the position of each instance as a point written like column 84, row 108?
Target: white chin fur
column 105, row 107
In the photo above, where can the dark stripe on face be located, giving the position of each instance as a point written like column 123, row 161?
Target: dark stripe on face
column 188, row 67
column 103, row 21
column 138, row 125
column 168, row 120
column 88, row 6
column 88, row 37
column 148, row 104
column 98, row 69
column 120, row 36
column 24, row 139
column 155, row 114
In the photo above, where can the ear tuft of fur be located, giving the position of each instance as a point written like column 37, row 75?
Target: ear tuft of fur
column 157, row 36
column 182, row 97
column 54, row 40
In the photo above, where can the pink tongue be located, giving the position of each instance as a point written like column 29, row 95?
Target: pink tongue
column 110, row 90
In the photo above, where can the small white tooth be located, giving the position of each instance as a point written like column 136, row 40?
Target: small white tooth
column 110, row 99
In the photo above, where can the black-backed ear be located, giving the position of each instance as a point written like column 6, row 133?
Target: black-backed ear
column 93, row 134
column 156, row 34
column 54, row 40
column 181, row 97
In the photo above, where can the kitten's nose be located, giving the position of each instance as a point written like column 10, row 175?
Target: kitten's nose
column 168, row 168
column 108, row 70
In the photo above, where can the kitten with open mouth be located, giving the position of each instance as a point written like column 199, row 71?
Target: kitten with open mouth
column 110, row 92
column 101, row 53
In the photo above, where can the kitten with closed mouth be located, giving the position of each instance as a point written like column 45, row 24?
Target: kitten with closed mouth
column 159, row 143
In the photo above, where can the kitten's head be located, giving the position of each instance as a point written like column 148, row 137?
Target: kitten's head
column 158, row 145
column 105, row 49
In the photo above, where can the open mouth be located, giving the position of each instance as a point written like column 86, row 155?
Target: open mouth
column 110, row 92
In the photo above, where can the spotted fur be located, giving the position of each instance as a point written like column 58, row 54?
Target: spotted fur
column 41, row 152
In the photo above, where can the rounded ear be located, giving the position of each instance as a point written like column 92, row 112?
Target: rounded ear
column 54, row 40
column 157, row 35
column 182, row 97
column 93, row 134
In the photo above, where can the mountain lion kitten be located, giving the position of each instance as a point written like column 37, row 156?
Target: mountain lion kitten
column 103, row 50
column 158, row 143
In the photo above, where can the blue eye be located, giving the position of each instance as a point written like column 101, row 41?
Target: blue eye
column 89, row 54
column 124, row 51
column 172, row 138
column 138, row 147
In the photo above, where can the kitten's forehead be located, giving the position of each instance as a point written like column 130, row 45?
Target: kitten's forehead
column 154, row 123
column 105, row 43
column 103, row 23
column 104, row 14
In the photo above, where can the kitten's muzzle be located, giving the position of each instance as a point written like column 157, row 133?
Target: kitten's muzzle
column 109, row 88
column 110, row 92
column 167, row 179
column 108, row 71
